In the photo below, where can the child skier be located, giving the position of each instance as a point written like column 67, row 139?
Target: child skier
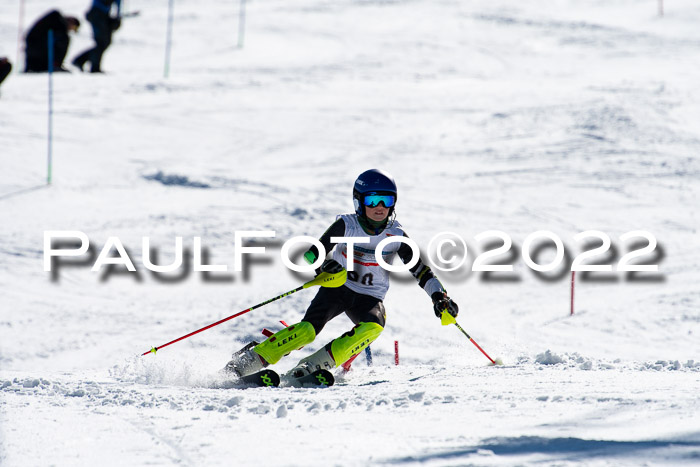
column 360, row 298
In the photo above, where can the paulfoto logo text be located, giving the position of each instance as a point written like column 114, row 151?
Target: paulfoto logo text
column 447, row 252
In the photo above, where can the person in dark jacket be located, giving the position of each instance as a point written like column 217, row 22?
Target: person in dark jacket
column 103, row 24
column 5, row 68
column 37, row 41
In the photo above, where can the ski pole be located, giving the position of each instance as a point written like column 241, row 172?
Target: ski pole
column 449, row 319
column 324, row 279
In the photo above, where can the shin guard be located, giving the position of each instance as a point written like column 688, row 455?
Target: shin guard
column 353, row 342
column 288, row 339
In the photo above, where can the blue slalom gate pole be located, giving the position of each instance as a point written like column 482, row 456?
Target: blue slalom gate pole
column 368, row 356
column 169, row 38
column 50, row 136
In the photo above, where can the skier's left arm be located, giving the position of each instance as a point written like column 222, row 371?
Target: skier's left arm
column 427, row 280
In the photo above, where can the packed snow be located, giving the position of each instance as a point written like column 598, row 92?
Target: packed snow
column 566, row 116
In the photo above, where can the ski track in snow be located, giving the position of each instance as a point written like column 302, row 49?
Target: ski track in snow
column 490, row 115
column 567, row 395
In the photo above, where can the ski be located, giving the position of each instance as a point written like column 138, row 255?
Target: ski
column 319, row 378
column 263, row 378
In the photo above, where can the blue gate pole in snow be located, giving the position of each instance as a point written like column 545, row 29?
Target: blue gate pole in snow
column 50, row 138
column 368, row 356
column 169, row 38
column 241, row 24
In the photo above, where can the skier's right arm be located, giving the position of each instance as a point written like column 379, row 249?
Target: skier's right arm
column 335, row 230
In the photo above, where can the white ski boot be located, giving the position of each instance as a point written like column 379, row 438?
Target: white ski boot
column 320, row 360
column 246, row 361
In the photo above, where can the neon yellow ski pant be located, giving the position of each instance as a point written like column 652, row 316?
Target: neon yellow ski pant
column 297, row 336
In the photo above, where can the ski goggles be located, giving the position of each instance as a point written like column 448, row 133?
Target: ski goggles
column 373, row 200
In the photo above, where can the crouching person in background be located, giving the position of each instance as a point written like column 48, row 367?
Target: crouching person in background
column 37, row 41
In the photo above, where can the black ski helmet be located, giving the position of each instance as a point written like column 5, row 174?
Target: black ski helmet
column 373, row 181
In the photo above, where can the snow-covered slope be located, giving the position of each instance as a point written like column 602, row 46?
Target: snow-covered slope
column 513, row 116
